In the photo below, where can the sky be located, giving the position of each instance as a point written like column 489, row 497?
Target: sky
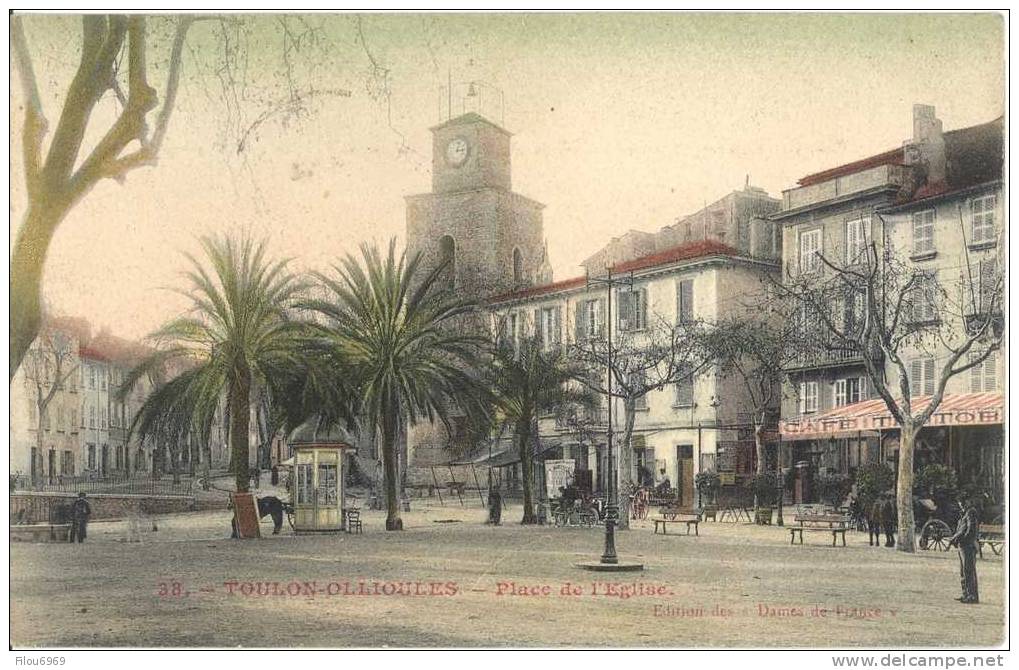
column 620, row 121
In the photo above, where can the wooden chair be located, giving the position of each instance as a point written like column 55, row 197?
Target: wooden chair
column 354, row 520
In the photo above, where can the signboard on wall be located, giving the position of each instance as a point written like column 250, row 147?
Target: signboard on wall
column 558, row 474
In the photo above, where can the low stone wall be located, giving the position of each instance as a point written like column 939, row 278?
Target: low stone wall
column 39, row 507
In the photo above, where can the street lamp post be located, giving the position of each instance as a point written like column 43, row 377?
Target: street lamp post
column 609, row 556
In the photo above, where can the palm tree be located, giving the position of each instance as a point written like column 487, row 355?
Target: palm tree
column 238, row 336
column 408, row 343
column 529, row 380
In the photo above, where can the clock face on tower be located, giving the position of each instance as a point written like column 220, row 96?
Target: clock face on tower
column 456, row 151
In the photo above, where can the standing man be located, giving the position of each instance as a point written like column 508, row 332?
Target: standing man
column 966, row 539
column 889, row 518
column 80, row 512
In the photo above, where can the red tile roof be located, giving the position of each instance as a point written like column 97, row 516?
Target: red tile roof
column 892, row 157
column 683, row 252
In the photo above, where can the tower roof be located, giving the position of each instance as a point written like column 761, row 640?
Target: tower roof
column 470, row 117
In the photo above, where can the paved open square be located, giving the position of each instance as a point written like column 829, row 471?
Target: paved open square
column 449, row 580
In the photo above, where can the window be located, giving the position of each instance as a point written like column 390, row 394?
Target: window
column 810, row 250
column 74, row 419
column 684, row 301
column 102, row 379
column 511, row 330
column 983, row 377
column 67, row 463
column 588, row 319
column 638, row 380
column 547, row 325
column 857, row 234
column 808, row 397
column 684, row 389
column 923, row 232
column 923, row 298
column 633, row 309
column 518, row 267
column 986, row 293
column 983, row 218
column 921, row 376
column 91, row 377
column 849, row 391
column 91, row 457
column 102, row 417
column 60, row 418
column 91, row 417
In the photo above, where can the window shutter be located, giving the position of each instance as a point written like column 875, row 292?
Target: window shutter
column 863, row 388
column 625, row 303
column 803, row 397
column 557, row 336
column 852, row 239
column 580, row 319
column 928, row 386
column 990, row 366
column 600, row 317
column 684, row 306
column 915, row 374
column 537, row 325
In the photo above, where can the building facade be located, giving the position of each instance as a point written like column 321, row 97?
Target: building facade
column 689, row 426
column 933, row 205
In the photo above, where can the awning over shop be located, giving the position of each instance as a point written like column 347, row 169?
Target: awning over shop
column 869, row 416
column 503, row 456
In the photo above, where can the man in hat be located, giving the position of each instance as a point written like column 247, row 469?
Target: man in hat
column 80, row 512
column 965, row 539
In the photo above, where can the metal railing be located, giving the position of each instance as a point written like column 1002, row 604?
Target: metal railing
column 141, row 485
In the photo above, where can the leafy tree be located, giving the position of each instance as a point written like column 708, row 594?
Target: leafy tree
column 238, row 336
column 833, row 488
column 397, row 330
column 872, row 480
column 528, row 380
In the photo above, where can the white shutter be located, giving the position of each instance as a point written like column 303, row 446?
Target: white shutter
column 991, row 373
column 863, row 388
column 852, row 239
column 928, row 386
column 915, row 376
column 803, row 397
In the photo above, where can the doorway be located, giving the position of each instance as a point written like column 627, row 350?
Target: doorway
column 684, row 475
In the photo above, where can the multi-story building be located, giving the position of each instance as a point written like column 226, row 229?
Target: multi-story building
column 728, row 220
column 695, row 423
column 934, row 205
column 41, row 452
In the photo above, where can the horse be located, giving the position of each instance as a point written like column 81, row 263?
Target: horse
column 267, row 506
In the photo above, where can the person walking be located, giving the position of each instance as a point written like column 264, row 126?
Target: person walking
column 874, row 523
column 966, row 539
column 80, row 512
column 889, row 519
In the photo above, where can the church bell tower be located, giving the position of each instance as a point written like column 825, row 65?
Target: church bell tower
column 492, row 237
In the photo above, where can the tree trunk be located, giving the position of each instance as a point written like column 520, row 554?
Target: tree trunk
column 240, row 422
column 390, row 433
column 27, row 262
column 624, row 465
column 523, row 435
column 904, row 490
column 761, row 460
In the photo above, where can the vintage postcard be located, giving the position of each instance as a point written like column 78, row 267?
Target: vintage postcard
column 487, row 329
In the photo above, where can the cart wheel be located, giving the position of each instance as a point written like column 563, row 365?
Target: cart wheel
column 935, row 534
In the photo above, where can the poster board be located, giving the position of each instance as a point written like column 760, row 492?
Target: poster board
column 558, row 473
column 246, row 515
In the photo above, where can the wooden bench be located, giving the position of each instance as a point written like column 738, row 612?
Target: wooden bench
column 41, row 532
column 835, row 524
column 991, row 535
column 672, row 515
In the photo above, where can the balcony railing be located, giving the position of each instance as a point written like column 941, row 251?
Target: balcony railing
column 589, row 417
column 829, row 356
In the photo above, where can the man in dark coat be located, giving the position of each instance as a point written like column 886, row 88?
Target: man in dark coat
column 966, row 538
column 889, row 519
column 80, row 512
column 874, row 523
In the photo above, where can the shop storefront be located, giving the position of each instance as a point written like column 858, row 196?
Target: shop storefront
column 966, row 433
